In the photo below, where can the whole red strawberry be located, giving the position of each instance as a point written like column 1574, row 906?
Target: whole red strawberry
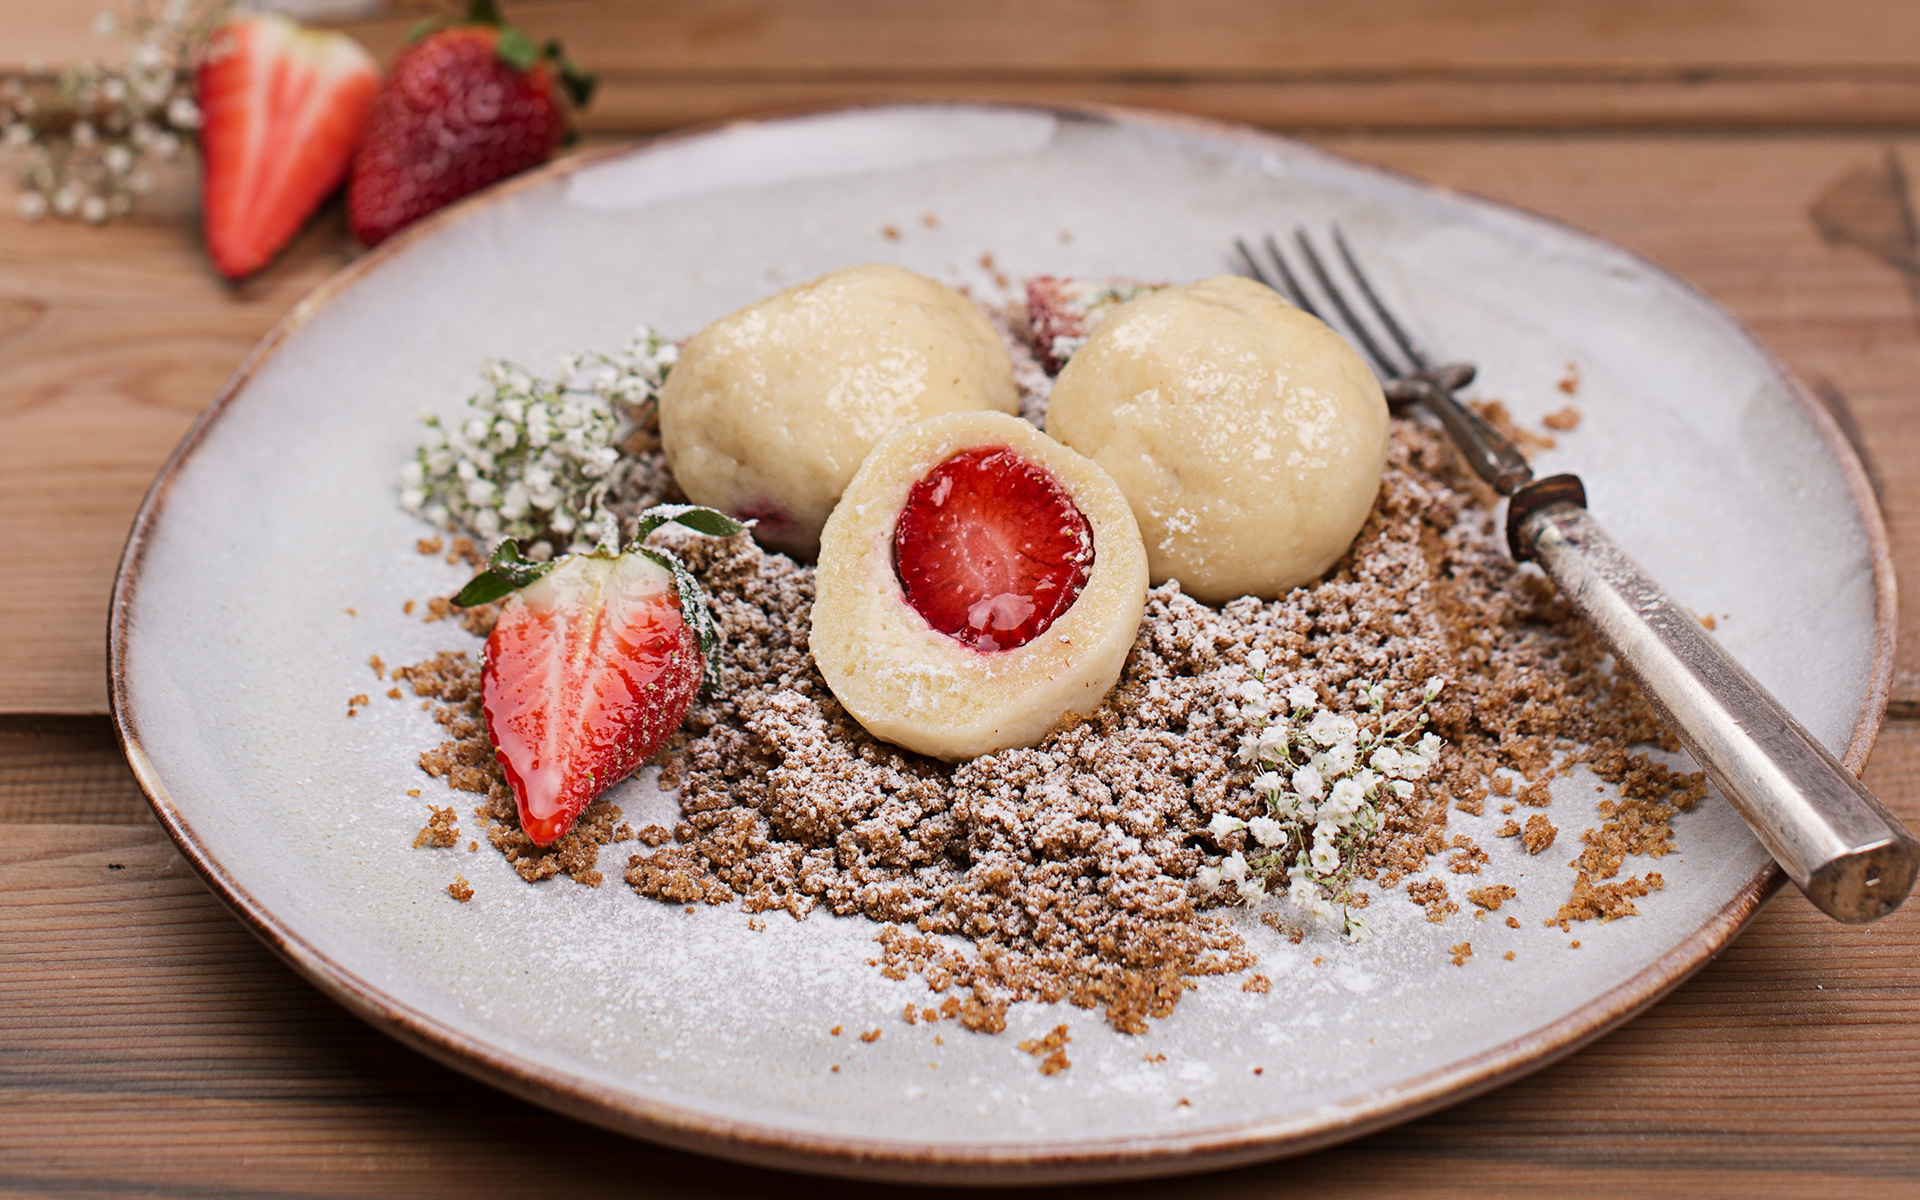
column 462, row 108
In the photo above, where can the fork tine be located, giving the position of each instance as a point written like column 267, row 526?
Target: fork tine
column 1373, row 299
column 1295, row 292
column 1252, row 264
column 1385, row 365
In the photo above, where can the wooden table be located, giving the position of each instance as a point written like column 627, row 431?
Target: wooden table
column 149, row 1046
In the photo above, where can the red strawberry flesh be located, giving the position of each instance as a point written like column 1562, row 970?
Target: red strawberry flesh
column 282, row 109
column 589, row 671
column 990, row 549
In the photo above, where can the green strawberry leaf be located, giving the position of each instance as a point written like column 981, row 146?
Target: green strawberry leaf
column 507, row 572
column 709, row 521
column 483, row 12
column 425, row 26
column 516, row 49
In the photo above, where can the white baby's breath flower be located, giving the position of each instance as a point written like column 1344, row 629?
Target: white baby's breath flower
column 1223, row 825
column 1402, row 788
column 1233, row 867
column 1208, row 878
column 1327, row 729
column 1252, row 891
column 1307, row 782
column 1324, row 857
column 1256, row 660
column 1300, row 696
column 1430, row 746
column 1376, row 696
column 1251, row 744
column 1338, row 759
column 1273, row 738
column 1267, row 831
column 1345, row 800
column 1268, row 781
column 540, row 456
column 1433, row 689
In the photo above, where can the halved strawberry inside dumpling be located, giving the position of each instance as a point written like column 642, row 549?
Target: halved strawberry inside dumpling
column 978, row 582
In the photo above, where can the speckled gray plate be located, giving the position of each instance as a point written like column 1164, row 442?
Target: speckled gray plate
column 235, row 646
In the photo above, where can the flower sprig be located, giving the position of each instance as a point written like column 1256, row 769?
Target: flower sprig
column 535, row 459
column 1322, row 780
column 81, row 140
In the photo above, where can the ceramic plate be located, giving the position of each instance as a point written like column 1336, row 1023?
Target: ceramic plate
column 235, row 645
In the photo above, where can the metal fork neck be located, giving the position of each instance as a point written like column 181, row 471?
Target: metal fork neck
column 1492, row 457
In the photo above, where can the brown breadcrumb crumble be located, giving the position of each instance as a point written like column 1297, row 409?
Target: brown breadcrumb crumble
column 442, row 830
column 1050, row 1050
column 460, row 889
column 1538, row 834
column 1492, row 896
column 1068, row 871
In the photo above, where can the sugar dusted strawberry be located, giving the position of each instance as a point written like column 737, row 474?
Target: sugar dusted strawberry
column 282, row 108
column 462, row 108
column 591, row 666
column 990, row 549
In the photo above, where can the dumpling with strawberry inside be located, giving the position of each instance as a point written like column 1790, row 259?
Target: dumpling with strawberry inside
column 979, row 583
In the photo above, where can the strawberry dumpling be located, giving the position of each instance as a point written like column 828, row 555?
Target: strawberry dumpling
column 1247, row 435
column 771, row 409
column 978, row 583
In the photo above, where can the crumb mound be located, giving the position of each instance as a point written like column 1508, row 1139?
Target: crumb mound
column 1070, row 870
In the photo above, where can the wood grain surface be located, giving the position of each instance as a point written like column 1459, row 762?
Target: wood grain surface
column 1759, row 148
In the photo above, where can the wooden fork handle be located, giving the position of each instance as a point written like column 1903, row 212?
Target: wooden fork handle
column 1839, row 844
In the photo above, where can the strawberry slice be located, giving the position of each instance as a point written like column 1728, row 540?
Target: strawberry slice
column 282, row 108
column 990, row 549
column 592, row 665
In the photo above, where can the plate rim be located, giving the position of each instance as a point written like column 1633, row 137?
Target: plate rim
column 1060, row 1159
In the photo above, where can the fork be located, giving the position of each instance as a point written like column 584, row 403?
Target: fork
column 1838, row 844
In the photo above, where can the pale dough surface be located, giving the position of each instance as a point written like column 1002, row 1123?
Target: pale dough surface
column 1247, row 436
column 771, row 409
column 914, row 686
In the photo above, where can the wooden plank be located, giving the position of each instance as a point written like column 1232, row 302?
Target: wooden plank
column 644, row 102
column 113, row 338
column 1459, row 64
column 1201, row 36
column 148, row 1045
column 66, row 770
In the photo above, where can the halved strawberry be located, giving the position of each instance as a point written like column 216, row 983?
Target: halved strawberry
column 592, row 665
column 281, row 108
column 990, row 549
